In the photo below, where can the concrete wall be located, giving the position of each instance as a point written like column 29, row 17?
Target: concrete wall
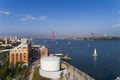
column 49, row 74
column 75, row 74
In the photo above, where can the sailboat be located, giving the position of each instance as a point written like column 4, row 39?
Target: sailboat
column 95, row 53
column 56, row 42
column 69, row 43
column 118, row 78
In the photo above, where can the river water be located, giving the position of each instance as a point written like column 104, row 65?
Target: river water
column 106, row 66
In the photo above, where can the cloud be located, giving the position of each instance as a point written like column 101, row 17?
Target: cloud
column 32, row 18
column 115, row 12
column 118, row 12
column 5, row 12
column 43, row 18
column 23, row 19
column 28, row 18
column 118, row 25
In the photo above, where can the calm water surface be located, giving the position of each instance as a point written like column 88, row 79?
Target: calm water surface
column 104, row 67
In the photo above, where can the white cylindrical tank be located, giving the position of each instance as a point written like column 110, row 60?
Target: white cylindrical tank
column 50, row 63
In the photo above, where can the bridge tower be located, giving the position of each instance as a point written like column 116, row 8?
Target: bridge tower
column 92, row 35
column 53, row 36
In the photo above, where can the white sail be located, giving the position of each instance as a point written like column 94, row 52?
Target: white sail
column 69, row 43
column 95, row 53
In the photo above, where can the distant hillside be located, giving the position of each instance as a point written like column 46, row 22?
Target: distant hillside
column 95, row 38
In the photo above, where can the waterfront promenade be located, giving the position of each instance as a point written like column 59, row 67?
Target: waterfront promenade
column 75, row 74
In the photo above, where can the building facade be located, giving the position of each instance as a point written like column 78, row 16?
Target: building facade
column 21, row 53
column 43, row 51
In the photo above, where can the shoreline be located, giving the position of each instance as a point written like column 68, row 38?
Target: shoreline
column 75, row 73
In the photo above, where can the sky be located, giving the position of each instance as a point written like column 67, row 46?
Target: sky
column 64, row 17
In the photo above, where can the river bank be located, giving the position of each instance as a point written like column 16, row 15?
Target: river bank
column 74, row 73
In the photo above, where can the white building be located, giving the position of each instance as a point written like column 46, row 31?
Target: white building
column 50, row 67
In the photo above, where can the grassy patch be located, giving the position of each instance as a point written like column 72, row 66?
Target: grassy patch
column 36, row 75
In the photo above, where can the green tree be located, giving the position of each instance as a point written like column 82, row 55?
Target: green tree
column 8, row 77
column 2, row 56
column 61, row 75
column 12, row 70
column 3, row 70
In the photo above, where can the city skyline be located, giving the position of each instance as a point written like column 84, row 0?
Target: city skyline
column 64, row 17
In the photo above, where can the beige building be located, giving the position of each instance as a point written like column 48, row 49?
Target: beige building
column 43, row 51
column 21, row 53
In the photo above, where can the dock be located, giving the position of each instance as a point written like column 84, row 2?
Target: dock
column 63, row 57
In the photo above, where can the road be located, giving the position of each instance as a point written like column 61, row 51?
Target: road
column 34, row 63
column 31, row 73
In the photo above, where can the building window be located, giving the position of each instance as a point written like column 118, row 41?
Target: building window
column 16, row 57
column 20, row 57
column 13, row 57
column 24, row 55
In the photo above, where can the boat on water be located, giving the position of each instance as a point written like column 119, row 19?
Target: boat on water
column 69, row 43
column 63, row 57
column 95, row 53
column 59, row 54
column 45, row 41
column 117, row 78
column 66, row 58
column 56, row 42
